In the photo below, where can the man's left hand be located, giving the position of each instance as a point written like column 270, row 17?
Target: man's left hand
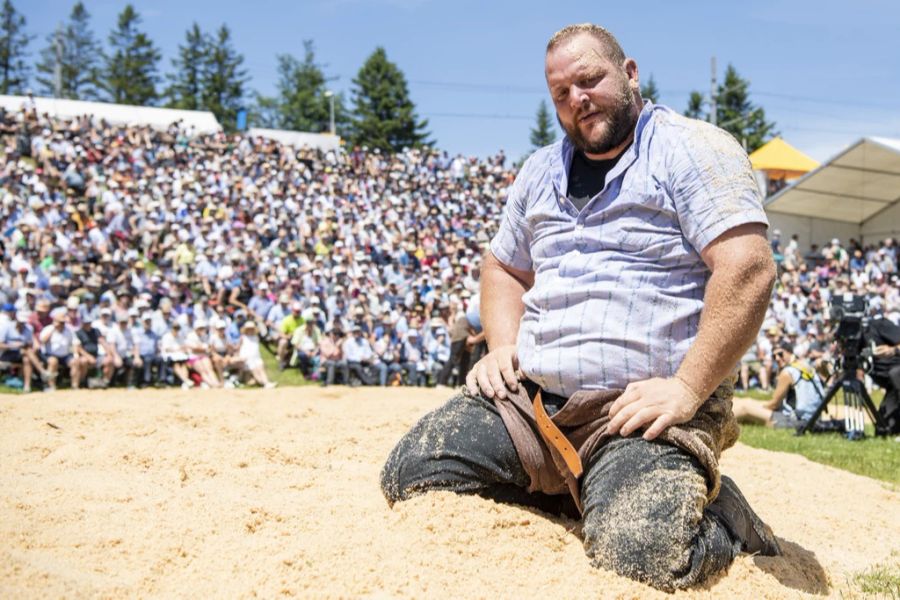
column 656, row 403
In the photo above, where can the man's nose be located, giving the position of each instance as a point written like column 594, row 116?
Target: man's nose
column 578, row 97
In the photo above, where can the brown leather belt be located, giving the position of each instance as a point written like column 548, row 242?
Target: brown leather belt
column 554, row 437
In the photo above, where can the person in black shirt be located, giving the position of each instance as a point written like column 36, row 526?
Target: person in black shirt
column 86, row 350
column 886, row 369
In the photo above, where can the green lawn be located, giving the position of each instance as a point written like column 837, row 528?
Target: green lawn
column 873, row 456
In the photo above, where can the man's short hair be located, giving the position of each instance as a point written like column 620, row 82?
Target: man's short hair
column 611, row 48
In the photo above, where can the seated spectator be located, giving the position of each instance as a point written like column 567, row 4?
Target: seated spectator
column 146, row 346
column 174, row 353
column 87, row 354
column 332, row 356
column 412, row 357
column 286, row 328
column 122, row 350
column 58, row 343
column 360, row 357
column 199, row 354
column 250, row 355
column 305, row 343
column 387, row 353
column 17, row 347
column 798, row 393
column 223, row 353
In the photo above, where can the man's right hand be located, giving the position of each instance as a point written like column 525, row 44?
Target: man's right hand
column 495, row 373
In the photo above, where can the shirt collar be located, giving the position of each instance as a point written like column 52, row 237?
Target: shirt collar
column 561, row 159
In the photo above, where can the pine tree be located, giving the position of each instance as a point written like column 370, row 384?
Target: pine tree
column 384, row 115
column 649, row 90
column 738, row 116
column 543, row 133
column 14, row 71
column 186, row 82
column 223, row 79
column 75, row 52
column 131, row 70
column 695, row 106
column 302, row 102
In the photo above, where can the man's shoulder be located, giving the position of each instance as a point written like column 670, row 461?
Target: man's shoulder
column 666, row 121
column 541, row 160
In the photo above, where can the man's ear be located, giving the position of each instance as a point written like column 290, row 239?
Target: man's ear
column 631, row 70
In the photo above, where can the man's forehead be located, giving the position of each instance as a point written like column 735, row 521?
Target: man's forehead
column 578, row 55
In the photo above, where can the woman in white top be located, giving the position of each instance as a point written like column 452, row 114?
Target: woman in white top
column 250, row 355
column 173, row 351
column 199, row 354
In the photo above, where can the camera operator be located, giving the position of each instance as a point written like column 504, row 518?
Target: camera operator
column 798, row 392
column 885, row 335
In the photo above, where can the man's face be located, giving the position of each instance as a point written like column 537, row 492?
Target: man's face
column 594, row 98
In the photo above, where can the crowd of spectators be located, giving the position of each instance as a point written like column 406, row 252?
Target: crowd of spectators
column 140, row 257
column 798, row 316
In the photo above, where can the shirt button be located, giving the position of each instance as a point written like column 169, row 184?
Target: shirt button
column 579, row 226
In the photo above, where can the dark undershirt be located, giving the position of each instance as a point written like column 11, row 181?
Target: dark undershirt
column 587, row 177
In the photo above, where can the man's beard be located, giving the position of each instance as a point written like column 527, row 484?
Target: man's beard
column 619, row 124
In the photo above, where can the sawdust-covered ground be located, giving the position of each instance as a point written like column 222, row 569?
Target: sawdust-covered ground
column 254, row 493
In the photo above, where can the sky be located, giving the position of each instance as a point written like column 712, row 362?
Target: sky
column 826, row 72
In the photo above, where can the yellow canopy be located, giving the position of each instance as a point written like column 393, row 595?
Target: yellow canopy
column 780, row 160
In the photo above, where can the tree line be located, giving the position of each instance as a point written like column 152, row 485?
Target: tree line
column 207, row 73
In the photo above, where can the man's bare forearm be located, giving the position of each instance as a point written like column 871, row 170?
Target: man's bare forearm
column 502, row 289
column 734, row 308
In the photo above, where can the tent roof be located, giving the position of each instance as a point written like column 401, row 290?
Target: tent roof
column 158, row 118
column 781, row 159
column 855, row 186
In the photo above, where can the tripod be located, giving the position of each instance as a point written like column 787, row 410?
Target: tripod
column 856, row 403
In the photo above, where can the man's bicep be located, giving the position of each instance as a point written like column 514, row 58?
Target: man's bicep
column 739, row 246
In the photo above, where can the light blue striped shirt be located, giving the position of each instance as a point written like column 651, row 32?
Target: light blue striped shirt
column 619, row 285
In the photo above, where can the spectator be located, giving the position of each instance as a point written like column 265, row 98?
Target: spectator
column 250, row 355
column 146, row 344
column 798, row 393
column 332, row 356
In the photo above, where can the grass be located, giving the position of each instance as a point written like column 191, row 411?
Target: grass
column 881, row 580
column 874, row 457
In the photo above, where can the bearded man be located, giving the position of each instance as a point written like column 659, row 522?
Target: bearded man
column 629, row 275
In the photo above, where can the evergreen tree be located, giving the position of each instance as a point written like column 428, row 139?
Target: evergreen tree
column 14, row 71
column 186, row 82
column 301, row 103
column 695, row 106
column 74, row 51
column 543, row 133
column 384, row 115
column 649, row 90
column 223, row 79
column 131, row 69
column 738, row 116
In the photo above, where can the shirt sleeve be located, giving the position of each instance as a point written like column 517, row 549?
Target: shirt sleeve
column 713, row 185
column 512, row 242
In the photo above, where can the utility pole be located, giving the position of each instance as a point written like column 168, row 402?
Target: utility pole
column 57, row 69
column 712, row 93
column 330, row 95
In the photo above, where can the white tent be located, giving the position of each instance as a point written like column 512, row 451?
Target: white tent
column 118, row 114
column 855, row 194
column 298, row 139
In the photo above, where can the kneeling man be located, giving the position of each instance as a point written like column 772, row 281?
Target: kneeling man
column 629, row 274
